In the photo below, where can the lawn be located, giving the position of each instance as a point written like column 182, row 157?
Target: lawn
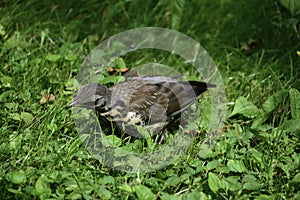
column 255, row 46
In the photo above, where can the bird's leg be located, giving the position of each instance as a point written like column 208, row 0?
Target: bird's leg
column 162, row 137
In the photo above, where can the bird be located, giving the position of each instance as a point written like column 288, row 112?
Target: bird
column 148, row 101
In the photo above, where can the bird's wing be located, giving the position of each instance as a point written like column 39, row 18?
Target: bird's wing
column 150, row 103
column 154, row 79
column 181, row 94
column 177, row 97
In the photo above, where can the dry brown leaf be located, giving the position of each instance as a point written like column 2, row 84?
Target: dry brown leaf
column 112, row 70
column 44, row 99
column 52, row 97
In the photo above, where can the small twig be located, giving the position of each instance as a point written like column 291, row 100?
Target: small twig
column 178, row 193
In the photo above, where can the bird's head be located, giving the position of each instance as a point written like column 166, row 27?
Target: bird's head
column 93, row 96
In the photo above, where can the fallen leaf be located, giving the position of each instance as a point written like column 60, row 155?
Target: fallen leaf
column 52, row 97
column 112, row 70
column 44, row 99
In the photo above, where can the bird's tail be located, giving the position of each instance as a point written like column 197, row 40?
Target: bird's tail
column 200, row 87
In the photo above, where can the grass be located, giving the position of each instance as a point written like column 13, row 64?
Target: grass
column 254, row 44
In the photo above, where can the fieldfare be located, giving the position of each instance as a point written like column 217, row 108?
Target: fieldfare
column 145, row 101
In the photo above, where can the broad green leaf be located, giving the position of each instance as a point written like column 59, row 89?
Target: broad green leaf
column 53, row 57
column 114, row 140
column 236, row 166
column 76, row 194
column 111, row 79
column 232, row 183
column 269, row 106
column 15, row 191
column 103, row 193
column 15, row 116
column 196, row 195
column 260, row 120
column 295, row 103
column 111, row 140
column 266, row 197
column 292, row 5
column 292, row 125
column 70, row 47
column 26, row 117
column 250, row 183
column 80, row 154
column 296, row 178
column 15, row 141
column 244, row 107
column 89, row 197
column 42, row 188
column 17, row 177
column 126, row 188
column 205, row 109
column 119, row 62
column 7, row 81
column 25, row 95
column 71, row 57
column 108, row 180
column 274, row 101
column 53, row 127
column 173, row 181
column 4, row 96
column 72, row 83
column 206, row 152
column 257, row 155
column 214, row 182
column 70, row 185
column 166, row 196
column 15, row 41
column 212, row 164
column 10, row 105
column 2, row 31
column 144, row 193
column 97, row 78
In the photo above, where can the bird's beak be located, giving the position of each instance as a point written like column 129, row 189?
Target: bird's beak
column 74, row 103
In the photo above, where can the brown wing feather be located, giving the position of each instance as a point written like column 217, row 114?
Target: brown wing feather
column 176, row 96
column 150, row 103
